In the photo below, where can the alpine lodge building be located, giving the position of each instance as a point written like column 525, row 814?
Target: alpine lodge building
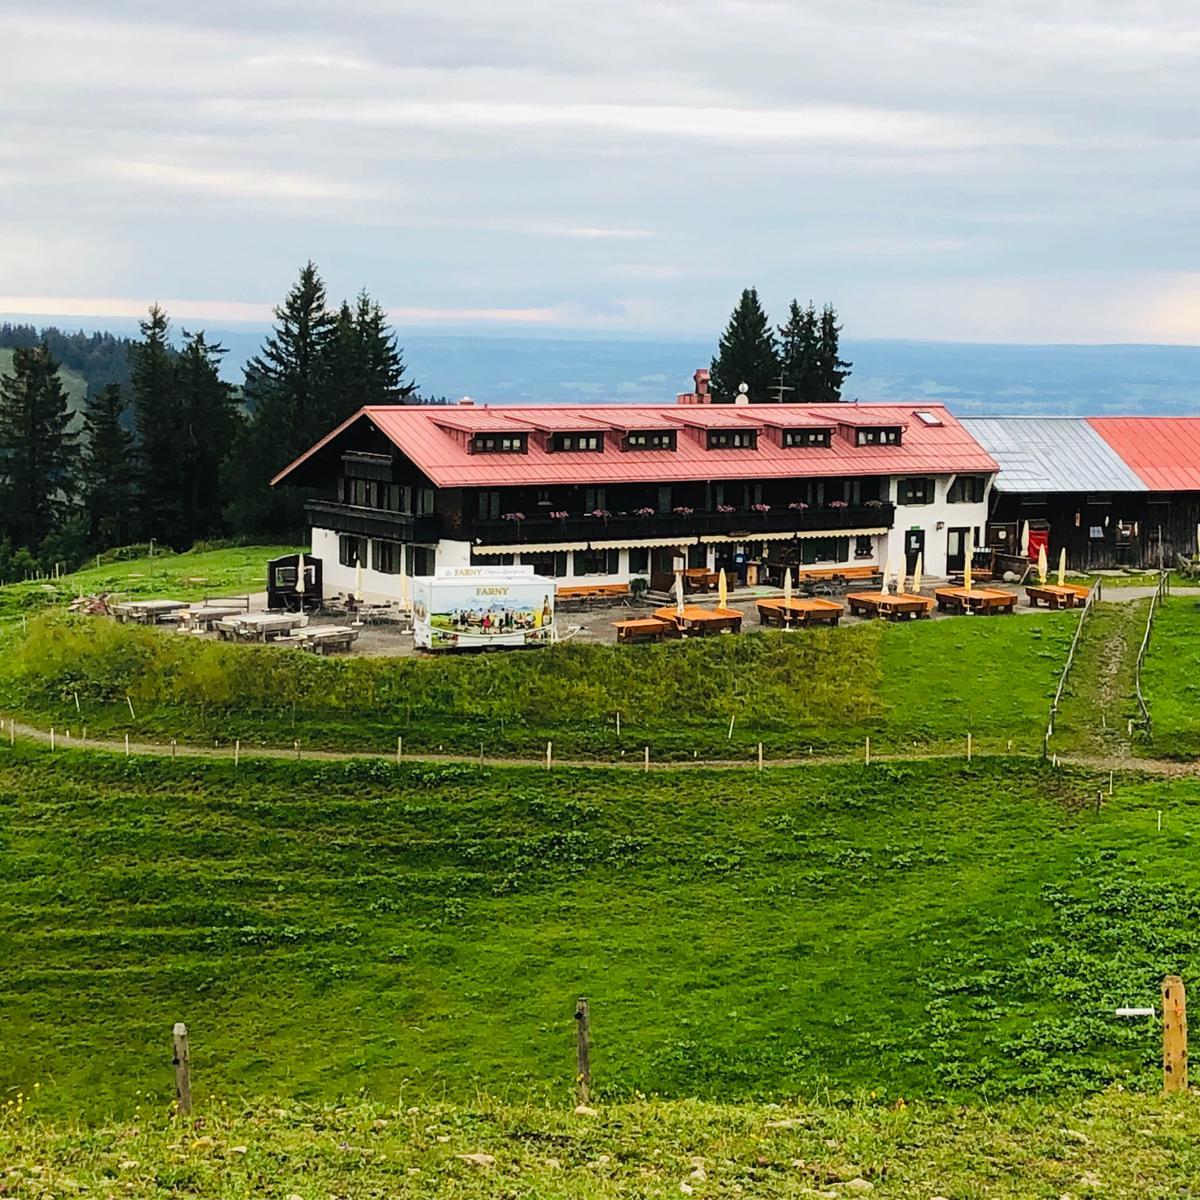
column 614, row 493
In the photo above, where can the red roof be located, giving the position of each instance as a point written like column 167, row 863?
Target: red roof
column 419, row 432
column 1164, row 451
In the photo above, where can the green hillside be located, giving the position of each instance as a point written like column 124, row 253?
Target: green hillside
column 334, row 929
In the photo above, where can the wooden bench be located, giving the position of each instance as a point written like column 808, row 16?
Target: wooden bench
column 904, row 606
column 785, row 614
column 700, row 579
column 986, row 602
column 644, row 629
column 598, row 593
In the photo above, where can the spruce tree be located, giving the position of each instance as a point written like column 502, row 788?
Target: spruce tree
column 207, row 424
column 798, row 354
column 106, row 470
column 366, row 366
column 37, row 450
column 156, row 418
column 831, row 368
column 747, row 353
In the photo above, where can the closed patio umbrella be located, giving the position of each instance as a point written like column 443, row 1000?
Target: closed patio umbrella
column 916, row 575
column 887, row 577
column 679, row 593
column 1025, row 540
column 787, row 588
column 1062, row 567
column 1042, row 569
column 722, row 590
column 300, row 569
column 968, row 558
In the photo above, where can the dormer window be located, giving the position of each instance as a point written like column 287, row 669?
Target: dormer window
column 884, row 435
column 732, row 439
column 498, row 443
column 589, row 443
column 806, row 437
column 657, row 439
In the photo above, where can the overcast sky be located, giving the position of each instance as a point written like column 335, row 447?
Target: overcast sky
column 1007, row 170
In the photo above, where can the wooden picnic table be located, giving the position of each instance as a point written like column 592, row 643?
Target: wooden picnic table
column 701, row 622
column 642, row 629
column 148, row 612
column 700, row 579
column 798, row 611
column 325, row 639
column 984, row 601
column 258, row 627
column 1054, row 596
column 903, row 606
column 206, row 616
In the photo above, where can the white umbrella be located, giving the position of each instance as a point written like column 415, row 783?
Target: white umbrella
column 679, row 593
column 1042, row 564
column 916, row 576
column 900, row 577
column 1062, row 567
column 887, row 576
column 787, row 588
column 300, row 569
column 1025, row 540
column 358, row 592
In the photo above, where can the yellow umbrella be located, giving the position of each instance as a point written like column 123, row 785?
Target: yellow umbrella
column 887, row 576
column 1062, row 567
column 1042, row 564
column 916, row 577
column 722, row 590
column 900, row 577
column 679, row 593
column 967, row 559
column 787, row 588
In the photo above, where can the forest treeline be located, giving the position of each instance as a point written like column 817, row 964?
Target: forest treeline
column 167, row 449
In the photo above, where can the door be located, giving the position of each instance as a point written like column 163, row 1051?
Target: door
column 956, row 550
column 914, row 545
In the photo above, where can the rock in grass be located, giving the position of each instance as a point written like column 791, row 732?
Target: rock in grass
column 478, row 1158
column 857, row 1184
column 583, row 1110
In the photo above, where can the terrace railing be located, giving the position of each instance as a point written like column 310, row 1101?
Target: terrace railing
column 536, row 528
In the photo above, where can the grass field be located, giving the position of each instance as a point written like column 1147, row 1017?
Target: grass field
column 188, row 576
column 922, row 684
column 936, row 929
column 1171, row 678
column 1114, row 1145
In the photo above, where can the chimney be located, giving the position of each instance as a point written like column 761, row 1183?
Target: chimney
column 701, row 395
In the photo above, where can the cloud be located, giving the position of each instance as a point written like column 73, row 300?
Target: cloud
column 233, row 182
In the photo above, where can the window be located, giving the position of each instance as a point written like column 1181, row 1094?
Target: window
column 489, row 506
column 927, row 418
column 597, row 562
column 806, row 437
column 1096, row 533
column 697, row 555
column 424, row 499
column 498, row 443
column 752, row 493
column 352, row 550
column 660, row 440
column 966, row 489
column 1099, row 498
column 387, row 557
column 917, row 490
column 732, row 439
column 816, row 550
column 884, row 436
column 543, row 498
column 639, row 560
column 594, row 499
column 421, row 559
column 589, row 442
column 864, row 547
column 552, row 563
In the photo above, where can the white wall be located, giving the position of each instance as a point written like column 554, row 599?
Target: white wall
column 377, row 587
column 936, row 519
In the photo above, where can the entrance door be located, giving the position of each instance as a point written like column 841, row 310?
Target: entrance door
column 956, row 550
column 914, row 545
column 662, row 568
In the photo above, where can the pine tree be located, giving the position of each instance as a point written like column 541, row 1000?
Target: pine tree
column 106, row 470
column 798, row 354
column 37, row 450
column 156, row 418
column 747, row 353
column 831, row 368
column 365, row 365
column 207, row 424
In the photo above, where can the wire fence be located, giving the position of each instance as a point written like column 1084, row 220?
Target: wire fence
column 1161, row 591
column 1094, row 596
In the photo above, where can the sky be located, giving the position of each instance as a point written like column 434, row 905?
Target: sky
column 1009, row 170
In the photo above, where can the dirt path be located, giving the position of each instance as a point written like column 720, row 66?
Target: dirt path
column 30, row 733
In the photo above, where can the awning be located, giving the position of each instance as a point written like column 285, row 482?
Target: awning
column 597, row 544
column 750, row 536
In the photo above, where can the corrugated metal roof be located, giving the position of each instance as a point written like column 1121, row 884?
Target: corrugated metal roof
column 1052, row 454
column 417, row 431
column 1164, row 451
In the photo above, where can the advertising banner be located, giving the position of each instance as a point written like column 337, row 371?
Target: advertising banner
column 493, row 608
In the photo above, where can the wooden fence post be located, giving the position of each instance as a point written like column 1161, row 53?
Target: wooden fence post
column 583, row 1052
column 183, row 1073
column 760, row 756
column 1174, row 1015
column 646, row 765
column 549, row 755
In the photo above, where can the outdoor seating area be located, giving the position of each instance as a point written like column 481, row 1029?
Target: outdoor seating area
column 642, row 629
column 596, row 595
column 700, row 579
column 903, row 606
column 1052, row 595
column 985, row 602
column 258, row 626
column 322, row 639
column 788, row 614
column 695, row 621
column 149, row 612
